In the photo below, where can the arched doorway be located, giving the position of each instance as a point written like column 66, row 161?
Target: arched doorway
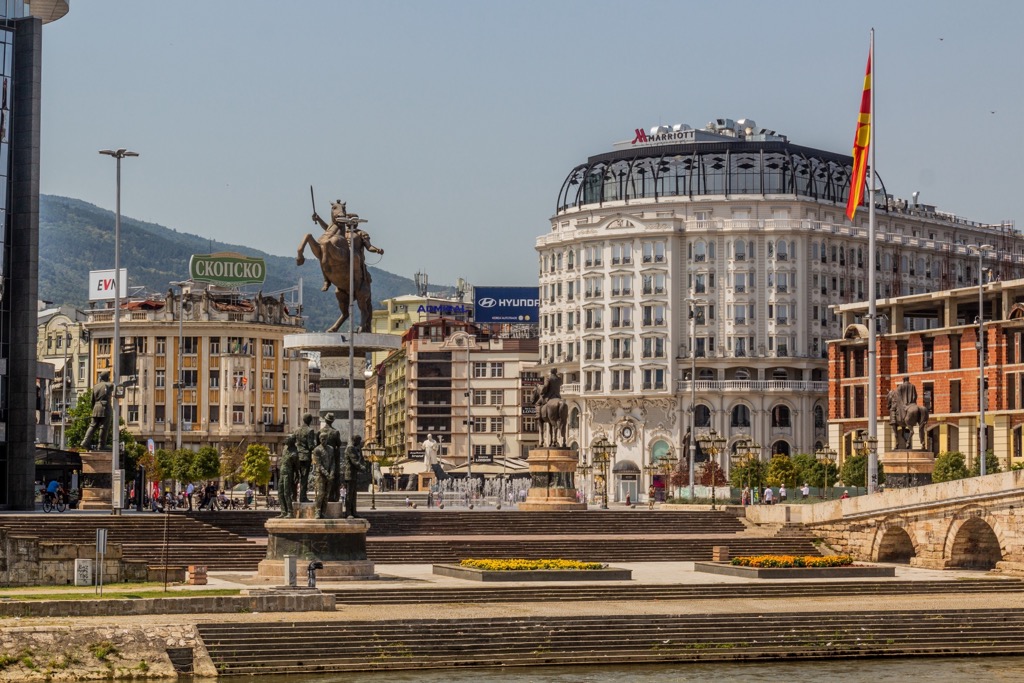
column 626, row 475
column 661, row 454
column 895, row 546
column 975, row 546
column 780, row 447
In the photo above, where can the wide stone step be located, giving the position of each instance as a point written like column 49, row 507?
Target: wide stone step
column 330, row 646
column 619, row 592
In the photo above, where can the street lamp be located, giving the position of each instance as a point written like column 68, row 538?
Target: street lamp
column 115, row 347
column 713, row 443
column 373, row 453
column 64, row 391
column 650, row 470
column 180, row 384
column 825, row 455
column 752, row 451
column 983, row 431
column 604, row 451
column 693, row 385
column 584, row 471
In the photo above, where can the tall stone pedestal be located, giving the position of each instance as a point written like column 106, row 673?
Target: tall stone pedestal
column 94, row 484
column 336, row 373
column 552, row 485
column 907, row 468
column 339, row 543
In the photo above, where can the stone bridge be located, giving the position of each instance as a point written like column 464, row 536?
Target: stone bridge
column 973, row 523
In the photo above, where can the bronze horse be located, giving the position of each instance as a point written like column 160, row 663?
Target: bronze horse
column 332, row 250
column 554, row 413
column 915, row 416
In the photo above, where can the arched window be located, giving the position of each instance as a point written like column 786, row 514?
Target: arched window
column 711, row 251
column 742, row 374
column 572, row 259
column 700, row 252
column 780, row 374
column 781, row 417
column 814, row 251
column 706, row 374
column 660, row 450
column 574, row 418
column 819, row 417
column 740, row 416
column 702, row 416
column 740, row 251
column 783, row 250
column 780, row 448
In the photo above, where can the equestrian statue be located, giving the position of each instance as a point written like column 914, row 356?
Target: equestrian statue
column 905, row 414
column 552, row 410
column 342, row 241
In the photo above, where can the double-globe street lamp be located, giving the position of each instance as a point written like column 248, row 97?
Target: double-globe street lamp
column 747, row 451
column 982, row 389
column 867, row 447
column 116, row 486
column 712, row 443
column 825, row 455
column 692, row 455
column 604, row 451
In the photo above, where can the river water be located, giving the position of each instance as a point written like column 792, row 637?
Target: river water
column 897, row 670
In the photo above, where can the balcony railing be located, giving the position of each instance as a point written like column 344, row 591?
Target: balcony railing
column 683, row 386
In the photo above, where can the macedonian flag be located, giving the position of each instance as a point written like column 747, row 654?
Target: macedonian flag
column 861, row 143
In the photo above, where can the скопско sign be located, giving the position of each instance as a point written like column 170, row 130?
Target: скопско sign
column 227, row 268
column 506, row 304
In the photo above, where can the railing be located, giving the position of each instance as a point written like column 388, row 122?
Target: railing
column 683, row 386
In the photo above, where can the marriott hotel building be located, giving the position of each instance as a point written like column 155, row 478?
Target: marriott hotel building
column 751, row 230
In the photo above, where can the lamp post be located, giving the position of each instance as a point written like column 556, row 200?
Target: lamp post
column 982, row 431
column 373, row 453
column 713, row 443
column 752, row 450
column 825, row 455
column 650, row 470
column 692, row 455
column 115, row 346
column 604, row 451
column 180, row 384
column 64, row 392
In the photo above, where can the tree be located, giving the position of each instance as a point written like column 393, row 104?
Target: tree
column 949, row 466
column 991, row 465
column 781, row 471
column 750, row 472
column 855, row 471
column 231, row 458
column 807, row 469
column 205, row 464
column 710, row 471
column 256, row 465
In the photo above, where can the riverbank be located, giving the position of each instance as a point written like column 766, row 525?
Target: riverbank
column 159, row 646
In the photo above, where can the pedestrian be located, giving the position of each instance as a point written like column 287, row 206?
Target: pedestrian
column 805, row 491
column 846, row 494
column 782, row 493
column 768, row 495
column 650, row 497
column 189, row 490
column 745, row 496
column 211, row 496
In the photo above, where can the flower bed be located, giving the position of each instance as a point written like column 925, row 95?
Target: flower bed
column 530, row 565
column 787, row 561
column 532, row 570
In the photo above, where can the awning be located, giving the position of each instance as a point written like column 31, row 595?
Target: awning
column 55, row 457
column 626, row 467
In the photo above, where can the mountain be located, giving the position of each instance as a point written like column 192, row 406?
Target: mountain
column 76, row 237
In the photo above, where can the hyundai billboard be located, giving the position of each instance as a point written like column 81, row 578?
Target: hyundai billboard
column 506, row 304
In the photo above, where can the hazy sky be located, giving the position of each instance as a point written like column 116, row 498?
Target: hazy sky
column 451, row 125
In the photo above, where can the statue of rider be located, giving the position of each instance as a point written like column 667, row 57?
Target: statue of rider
column 552, row 388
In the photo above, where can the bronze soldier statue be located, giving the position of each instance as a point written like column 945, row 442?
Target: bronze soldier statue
column 353, row 465
column 330, row 440
column 305, row 442
column 286, row 485
column 323, row 468
column 102, row 416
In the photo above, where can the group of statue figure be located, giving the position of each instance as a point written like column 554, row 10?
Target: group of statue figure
column 318, row 454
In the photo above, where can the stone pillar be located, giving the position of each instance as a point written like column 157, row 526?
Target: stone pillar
column 553, row 487
column 96, row 480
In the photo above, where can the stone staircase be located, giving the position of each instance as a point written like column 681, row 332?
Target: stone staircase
column 309, row 647
column 548, row 593
column 141, row 537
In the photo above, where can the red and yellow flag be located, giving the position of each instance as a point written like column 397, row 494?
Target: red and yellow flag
column 861, row 143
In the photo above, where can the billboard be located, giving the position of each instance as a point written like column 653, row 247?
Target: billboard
column 101, row 284
column 228, row 269
column 506, row 304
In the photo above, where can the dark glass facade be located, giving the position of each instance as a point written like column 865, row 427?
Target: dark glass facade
column 708, row 168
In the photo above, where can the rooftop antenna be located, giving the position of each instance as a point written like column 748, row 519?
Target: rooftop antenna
column 421, row 283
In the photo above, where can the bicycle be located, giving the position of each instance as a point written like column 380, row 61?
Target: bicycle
column 54, row 500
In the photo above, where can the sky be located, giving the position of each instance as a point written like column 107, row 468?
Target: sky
column 451, row 124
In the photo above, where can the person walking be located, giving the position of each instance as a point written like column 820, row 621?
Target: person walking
column 189, row 490
column 768, row 495
column 782, row 493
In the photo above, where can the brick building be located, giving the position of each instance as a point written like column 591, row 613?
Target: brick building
column 932, row 339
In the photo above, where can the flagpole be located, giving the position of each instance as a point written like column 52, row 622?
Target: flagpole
column 872, row 295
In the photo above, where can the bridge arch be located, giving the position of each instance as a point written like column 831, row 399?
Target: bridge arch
column 894, row 544
column 973, row 541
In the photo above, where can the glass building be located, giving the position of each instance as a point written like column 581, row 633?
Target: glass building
column 21, row 31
